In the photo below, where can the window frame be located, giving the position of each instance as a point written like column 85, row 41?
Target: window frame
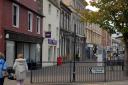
column 17, row 15
column 38, row 24
column 31, row 21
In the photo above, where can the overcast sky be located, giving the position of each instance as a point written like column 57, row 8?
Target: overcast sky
column 90, row 7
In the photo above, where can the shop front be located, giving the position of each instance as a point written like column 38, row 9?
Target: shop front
column 20, row 43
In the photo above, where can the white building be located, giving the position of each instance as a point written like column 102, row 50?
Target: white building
column 51, row 27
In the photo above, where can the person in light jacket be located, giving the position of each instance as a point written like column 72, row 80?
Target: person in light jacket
column 20, row 67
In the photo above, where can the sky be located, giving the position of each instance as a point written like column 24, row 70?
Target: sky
column 90, row 7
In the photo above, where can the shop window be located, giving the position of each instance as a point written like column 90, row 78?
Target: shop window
column 55, row 53
column 37, row 53
column 20, row 48
column 26, row 52
column 33, row 53
column 10, row 53
column 49, row 53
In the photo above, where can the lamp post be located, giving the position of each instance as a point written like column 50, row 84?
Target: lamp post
column 74, row 53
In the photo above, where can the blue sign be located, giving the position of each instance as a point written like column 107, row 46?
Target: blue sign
column 51, row 41
column 48, row 34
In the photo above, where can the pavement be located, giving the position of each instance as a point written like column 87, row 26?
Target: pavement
column 27, row 82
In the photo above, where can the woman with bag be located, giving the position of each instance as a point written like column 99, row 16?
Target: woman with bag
column 20, row 67
column 3, row 68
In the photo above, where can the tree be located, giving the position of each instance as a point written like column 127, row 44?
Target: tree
column 112, row 16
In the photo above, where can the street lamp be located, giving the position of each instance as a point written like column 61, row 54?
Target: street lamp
column 74, row 52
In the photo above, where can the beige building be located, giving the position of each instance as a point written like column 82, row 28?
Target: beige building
column 96, row 39
column 93, row 34
column 106, row 39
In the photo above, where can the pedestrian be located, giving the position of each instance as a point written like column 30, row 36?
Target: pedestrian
column 3, row 68
column 21, row 68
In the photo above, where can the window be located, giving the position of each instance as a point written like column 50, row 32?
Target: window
column 49, row 27
column 57, row 12
column 65, row 22
column 57, row 31
column 50, row 49
column 62, row 19
column 30, row 20
column 38, row 23
column 49, row 8
column 15, row 15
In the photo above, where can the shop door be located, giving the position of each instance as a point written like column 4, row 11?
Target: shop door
column 10, row 53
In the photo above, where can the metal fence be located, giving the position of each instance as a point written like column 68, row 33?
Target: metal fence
column 91, row 72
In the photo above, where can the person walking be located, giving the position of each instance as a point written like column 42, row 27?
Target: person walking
column 3, row 68
column 20, row 67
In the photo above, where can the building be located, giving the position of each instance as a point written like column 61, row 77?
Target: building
column 106, row 39
column 51, row 25
column 21, row 29
column 78, row 25
column 94, row 39
column 65, row 32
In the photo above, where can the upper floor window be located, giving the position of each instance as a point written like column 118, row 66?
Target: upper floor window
column 38, row 23
column 49, row 8
column 30, row 20
column 57, row 31
column 15, row 15
column 49, row 27
column 57, row 12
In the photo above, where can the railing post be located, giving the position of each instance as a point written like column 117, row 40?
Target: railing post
column 105, row 79
column 74, row 53
column 31, row 76
column 70, row 71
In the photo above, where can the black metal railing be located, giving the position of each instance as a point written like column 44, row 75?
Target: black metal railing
column 50, row 72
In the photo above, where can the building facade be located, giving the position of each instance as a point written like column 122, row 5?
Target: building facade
column 93, row 39
column 51, row 25
column 65, row 32
column 77, row 27
column 106, row 39
column 21, row 30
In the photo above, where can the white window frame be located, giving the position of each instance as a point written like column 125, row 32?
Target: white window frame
column 31, row 21
column 17, row 15
column 38, row 24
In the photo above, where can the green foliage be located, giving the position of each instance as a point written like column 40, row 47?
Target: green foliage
column 112, row 15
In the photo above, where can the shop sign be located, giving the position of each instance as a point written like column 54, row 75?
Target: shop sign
column 48, row 34
column 97, row 70
column 51, row 41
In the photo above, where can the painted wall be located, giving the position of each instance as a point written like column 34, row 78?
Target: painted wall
column 1, row 30
column 6, row 19
column 54, row 20
column 23, row 20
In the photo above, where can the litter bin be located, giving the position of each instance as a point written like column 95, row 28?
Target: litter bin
column 59, row 60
